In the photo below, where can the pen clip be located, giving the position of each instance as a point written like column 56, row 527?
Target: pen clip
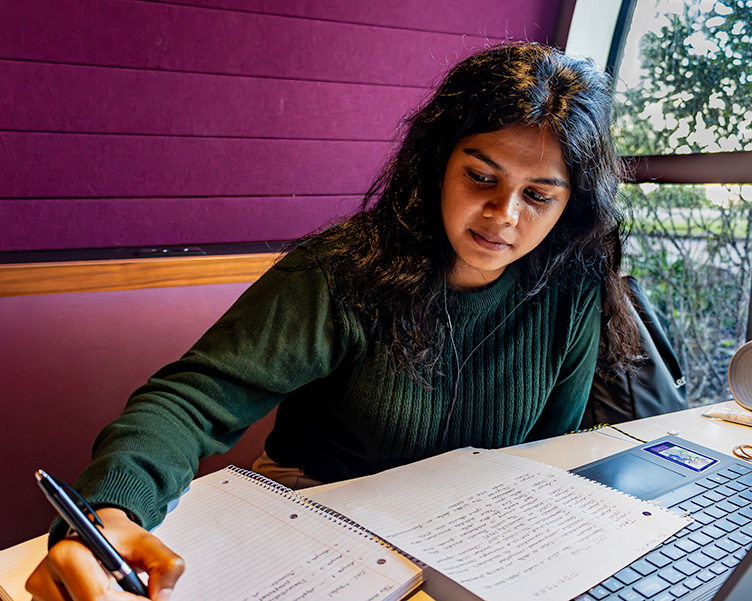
column 69, row 489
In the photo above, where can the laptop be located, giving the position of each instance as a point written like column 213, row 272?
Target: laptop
column 710, row 559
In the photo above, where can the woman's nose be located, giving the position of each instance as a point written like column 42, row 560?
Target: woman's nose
column 504, row 210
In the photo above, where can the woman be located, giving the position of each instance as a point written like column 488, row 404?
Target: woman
column 462, row 306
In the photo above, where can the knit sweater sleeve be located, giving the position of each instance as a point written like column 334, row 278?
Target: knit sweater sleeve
column 566, row 404
column 282, row 333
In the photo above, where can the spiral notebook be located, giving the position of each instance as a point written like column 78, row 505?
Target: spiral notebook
column 246, row 537
column 473, row 524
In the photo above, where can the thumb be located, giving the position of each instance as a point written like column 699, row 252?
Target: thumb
column 146, row 552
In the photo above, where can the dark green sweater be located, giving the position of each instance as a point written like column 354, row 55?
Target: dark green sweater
column 342, row 412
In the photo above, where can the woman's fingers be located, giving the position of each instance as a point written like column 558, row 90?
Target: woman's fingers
column 143, row 551
column 161, row 563
column 70, row 572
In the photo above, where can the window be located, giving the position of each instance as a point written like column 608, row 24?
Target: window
column 683, row 83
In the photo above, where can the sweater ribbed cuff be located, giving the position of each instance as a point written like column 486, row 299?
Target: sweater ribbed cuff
column 121, row 490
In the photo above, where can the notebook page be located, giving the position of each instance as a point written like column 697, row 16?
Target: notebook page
column 244, row 541
column 4, row 595
column 505, row 527
column 16, row 565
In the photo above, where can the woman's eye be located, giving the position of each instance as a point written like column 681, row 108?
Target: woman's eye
column 534, row 196
column 483, row 180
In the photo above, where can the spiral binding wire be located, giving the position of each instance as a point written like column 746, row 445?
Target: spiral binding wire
column 601, row 426
column 318, row 509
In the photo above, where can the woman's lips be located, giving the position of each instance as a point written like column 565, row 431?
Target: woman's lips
column 489, row 242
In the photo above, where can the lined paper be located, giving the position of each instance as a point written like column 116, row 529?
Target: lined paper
column 16, row 565
column 505, row 527
column 241, row 540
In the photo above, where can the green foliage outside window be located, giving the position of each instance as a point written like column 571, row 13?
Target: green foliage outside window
column 690, row 245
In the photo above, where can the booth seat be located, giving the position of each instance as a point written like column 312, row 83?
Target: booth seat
column 68, row 363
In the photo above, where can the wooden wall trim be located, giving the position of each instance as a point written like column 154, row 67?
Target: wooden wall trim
column 129, row 274
column 700, row 168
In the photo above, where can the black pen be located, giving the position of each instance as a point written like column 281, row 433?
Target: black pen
column 90, row 535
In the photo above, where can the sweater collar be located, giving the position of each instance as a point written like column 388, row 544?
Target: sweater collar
column 489, row 297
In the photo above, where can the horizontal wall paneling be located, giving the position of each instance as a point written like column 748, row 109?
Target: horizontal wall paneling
column 196, row 40
column 516, row 19
column 123, row 222
column 131, row 123
column 72, row 98
column 83, row 165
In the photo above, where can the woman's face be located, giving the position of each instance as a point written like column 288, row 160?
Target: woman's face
column 502, row 194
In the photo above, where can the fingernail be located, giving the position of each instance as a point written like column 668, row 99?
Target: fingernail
column 164, row 594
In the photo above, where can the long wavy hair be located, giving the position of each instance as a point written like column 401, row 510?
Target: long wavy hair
column 395, row 251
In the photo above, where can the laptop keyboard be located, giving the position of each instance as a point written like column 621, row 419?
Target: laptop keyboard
column 697, row 555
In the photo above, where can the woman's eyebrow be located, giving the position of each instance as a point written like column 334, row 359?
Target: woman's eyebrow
column 480, row 155
column 484, row 157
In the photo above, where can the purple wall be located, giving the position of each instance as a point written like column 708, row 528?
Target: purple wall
column 132, row 123
column 138, row 123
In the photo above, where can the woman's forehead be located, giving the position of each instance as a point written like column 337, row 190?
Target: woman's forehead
column 517, row 146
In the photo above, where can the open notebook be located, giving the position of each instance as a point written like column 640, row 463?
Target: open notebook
column 245, row 537
column 483, row 524
column 503, row 527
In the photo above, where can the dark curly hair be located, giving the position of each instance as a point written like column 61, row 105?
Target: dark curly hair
column 395, row 251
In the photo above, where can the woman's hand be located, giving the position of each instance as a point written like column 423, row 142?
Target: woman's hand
column 70, row 572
